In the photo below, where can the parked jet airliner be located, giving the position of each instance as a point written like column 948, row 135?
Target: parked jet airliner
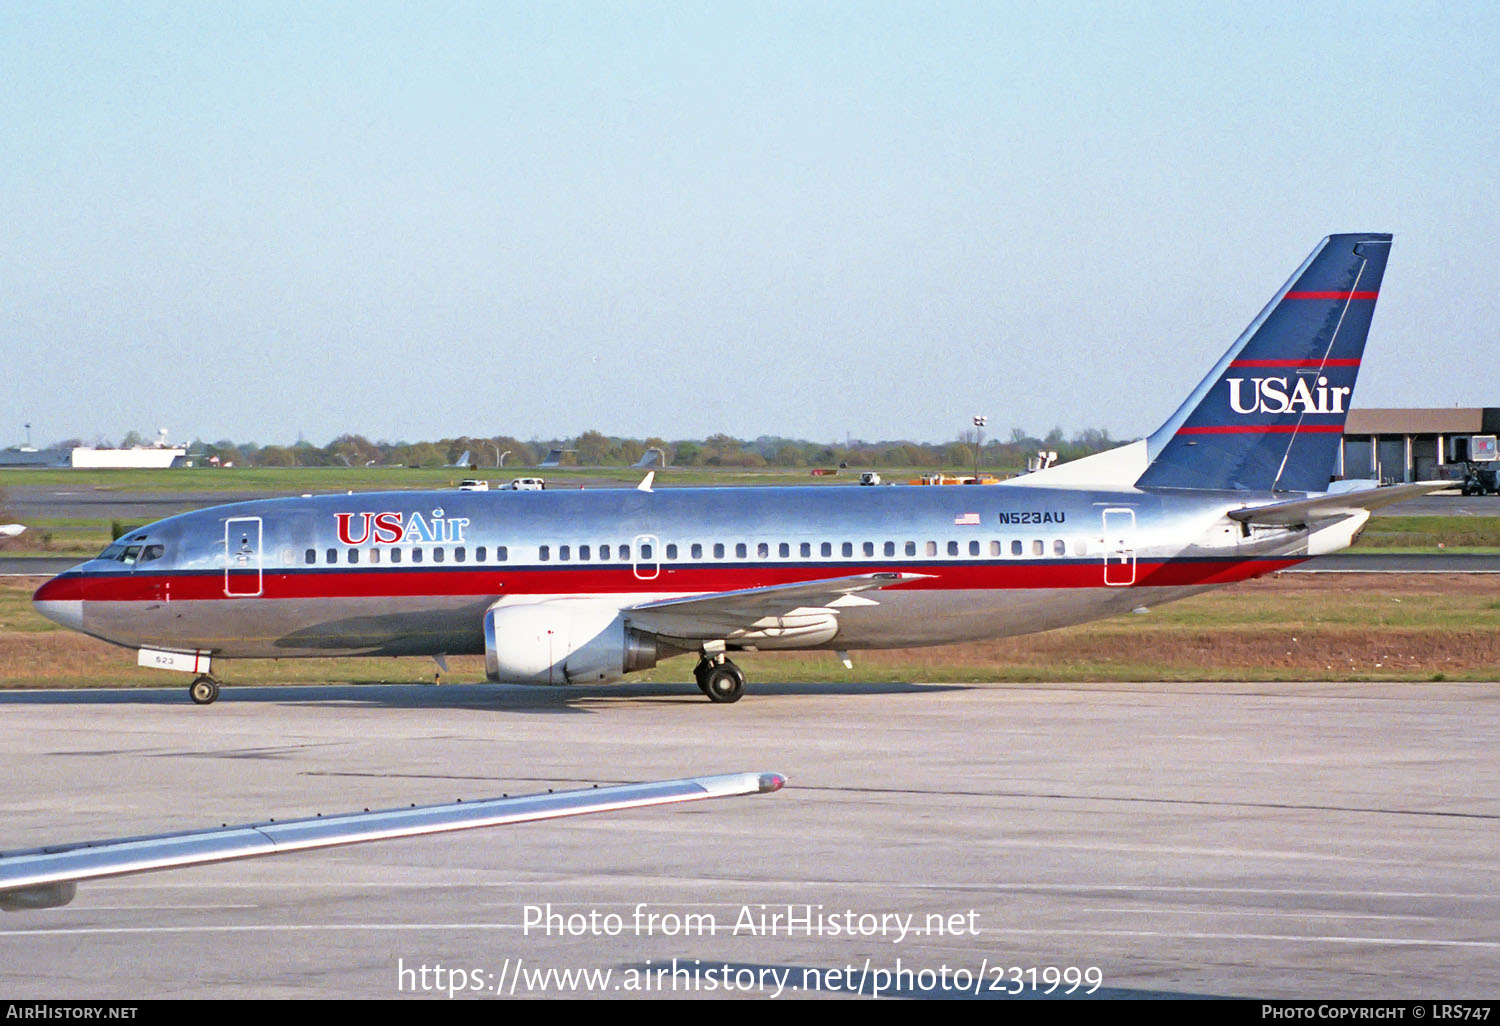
column 565, row 587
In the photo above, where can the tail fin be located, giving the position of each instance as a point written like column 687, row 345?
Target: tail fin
column 1270, row 414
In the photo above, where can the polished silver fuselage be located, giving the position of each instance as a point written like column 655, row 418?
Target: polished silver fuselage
column 325, row 575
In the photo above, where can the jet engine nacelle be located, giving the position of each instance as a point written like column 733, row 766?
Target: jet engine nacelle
column 562, row 642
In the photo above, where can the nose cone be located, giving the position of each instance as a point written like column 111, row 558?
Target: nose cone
column 59, row 601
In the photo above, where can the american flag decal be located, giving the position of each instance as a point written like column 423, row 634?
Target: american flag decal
column 966, row 520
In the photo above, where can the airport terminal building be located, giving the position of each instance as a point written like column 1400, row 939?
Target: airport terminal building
column 1400, row 445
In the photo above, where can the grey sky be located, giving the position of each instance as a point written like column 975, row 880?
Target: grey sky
column 412, row 221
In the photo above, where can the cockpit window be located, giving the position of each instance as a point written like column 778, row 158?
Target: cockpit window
column 123, row 551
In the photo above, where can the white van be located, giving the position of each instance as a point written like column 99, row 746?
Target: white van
column 527, row 484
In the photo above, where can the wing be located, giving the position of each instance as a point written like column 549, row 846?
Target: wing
column 48, row 877
column 779, row 607
column 1337, row 504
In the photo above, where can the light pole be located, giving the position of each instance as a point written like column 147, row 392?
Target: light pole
column 979, row 423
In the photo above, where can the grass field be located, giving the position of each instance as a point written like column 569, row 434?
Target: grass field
column 1333, row 627
column 60, row 536
column 295, row 480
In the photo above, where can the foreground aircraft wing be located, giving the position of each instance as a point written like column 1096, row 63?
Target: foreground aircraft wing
column 48, row 877
column 710, row 613
column 1322, row 507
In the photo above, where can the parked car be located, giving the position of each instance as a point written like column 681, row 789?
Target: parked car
column 527, row 484
column 473, row 486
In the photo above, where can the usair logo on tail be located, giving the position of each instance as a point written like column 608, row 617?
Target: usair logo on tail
column 1272, row 395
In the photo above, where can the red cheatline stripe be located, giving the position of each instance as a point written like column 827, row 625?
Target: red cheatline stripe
column 1262, row 429
column 493, row 582
column 1331, row 295
column 1349, row 362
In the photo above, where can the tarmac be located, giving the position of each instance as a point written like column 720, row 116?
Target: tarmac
column 1144, row 840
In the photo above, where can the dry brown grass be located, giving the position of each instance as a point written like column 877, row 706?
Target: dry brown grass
column 1287, row 627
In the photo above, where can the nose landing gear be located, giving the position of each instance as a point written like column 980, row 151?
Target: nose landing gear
column 204, row 690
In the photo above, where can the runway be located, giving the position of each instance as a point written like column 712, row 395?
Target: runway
column 1254, row 840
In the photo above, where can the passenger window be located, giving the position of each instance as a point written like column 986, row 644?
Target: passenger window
column 1015, row 547
column 583, row 553
column 374, row 555
column 312, row 556
column 826, row 549
column 1080, row 547
column 625, row 553
column 479, row 553
column 565, row 552
column 544, row 553
column 1059, row 547
column 994, row 548
column 696, row 552
column 847, row 549
column 459, row 554
column 501, row 553
column 911, row 548
column 604, row 553
column 354, row 555
column 645, row 552
column 973, row 548
column 437, row 554
column 953, row 548
column 806, row 550
column 932, row 548
column 890, row 548
column 718, row 550
column 395, row 555
column 671, row 550
column 762, row 550
column 1038, row 548
column 869, row 548
column 416, row 555
column 333, row 555
column 784, row 550
column 739, row 550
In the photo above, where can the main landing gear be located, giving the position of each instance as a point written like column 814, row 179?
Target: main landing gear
column 719, row 679
column 203, row 690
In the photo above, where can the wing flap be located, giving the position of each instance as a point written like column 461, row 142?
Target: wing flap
column 777, row 599
column 47, row 877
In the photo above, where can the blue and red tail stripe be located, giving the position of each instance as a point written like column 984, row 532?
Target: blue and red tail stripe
column 1269, row 415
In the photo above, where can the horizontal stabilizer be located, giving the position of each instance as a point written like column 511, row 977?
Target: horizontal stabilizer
column 1322, row 507
column 47, row 877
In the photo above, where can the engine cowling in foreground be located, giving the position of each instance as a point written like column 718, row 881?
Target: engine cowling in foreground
column 562, row 642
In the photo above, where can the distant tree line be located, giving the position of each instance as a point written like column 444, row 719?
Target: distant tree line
column 595, row 449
